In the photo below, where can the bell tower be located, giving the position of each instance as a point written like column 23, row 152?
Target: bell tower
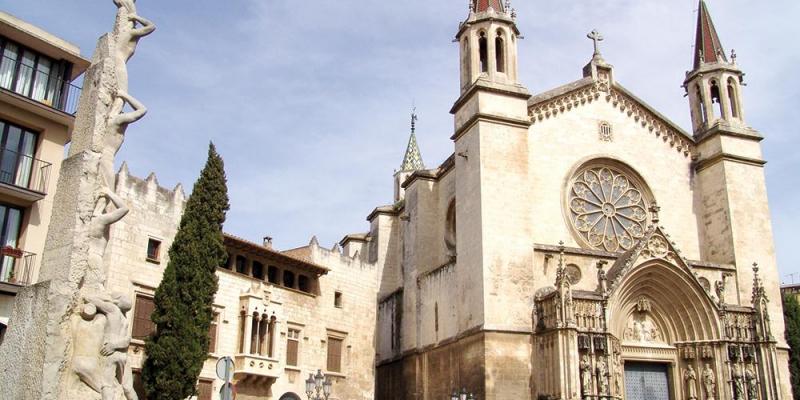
column 492, row 181
column 488, row 43
column 734, row 216
column 715, row 81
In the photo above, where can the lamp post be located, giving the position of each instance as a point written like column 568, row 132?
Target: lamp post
column 463, row 395
column 318, row 387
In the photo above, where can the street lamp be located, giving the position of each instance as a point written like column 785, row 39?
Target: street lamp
column 462, row 396
column 318, row 387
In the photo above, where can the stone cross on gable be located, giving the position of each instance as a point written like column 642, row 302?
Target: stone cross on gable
column 596, row 38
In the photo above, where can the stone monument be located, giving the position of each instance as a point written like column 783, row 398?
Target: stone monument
column 68, row 337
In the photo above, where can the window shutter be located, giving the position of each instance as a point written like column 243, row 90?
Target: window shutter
column 204, row 389
column 291, row 352
column 142, row 325
column 334, row 355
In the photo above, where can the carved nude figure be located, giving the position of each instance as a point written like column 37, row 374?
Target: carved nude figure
column 709, row 383
column 127, row 38
column 118, row 122
column 586, row 376
column 98, row 228
column 690, row 378
column 86, row 361
column 115, row 344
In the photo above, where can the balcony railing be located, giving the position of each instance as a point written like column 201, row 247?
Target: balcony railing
column 16, row 266
column 24, row 171
column 42, row 86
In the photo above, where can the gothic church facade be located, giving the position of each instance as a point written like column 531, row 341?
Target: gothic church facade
column 578, row 244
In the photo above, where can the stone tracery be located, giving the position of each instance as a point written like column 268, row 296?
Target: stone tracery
column 607, row 209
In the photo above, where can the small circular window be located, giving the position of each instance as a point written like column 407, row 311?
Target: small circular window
column 607, row 207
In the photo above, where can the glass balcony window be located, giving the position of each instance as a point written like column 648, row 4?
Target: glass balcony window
column 37, row 77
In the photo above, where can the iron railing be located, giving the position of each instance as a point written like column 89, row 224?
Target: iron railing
column 24, row 171
column 51, row 90
column 16, row 266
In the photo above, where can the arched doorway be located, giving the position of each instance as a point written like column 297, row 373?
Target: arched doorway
column 656, row 308
column 290, row 396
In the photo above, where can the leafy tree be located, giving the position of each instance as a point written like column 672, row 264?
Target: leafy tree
column 791, row 313
column 183, row 300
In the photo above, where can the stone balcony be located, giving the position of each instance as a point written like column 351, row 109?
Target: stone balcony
column 251, row 367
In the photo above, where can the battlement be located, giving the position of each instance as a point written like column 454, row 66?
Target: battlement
column 147, row 194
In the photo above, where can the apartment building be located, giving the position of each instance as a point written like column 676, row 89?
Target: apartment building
column 38, row 99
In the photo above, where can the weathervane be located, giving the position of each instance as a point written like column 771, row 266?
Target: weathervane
column 596, row 38
column 414, row 119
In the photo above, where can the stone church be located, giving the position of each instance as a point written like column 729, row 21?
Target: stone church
column 580, row 245
column 577, row 245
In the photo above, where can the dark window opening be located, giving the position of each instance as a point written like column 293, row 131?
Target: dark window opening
column 304, row 284
column 715, row 97
column 483, row 53
column 228, row 261
column 258, row 270
column 288, row 279
column 241, row 265
column 12, row 269
column 153, row 250
column 337, row 299
column 499, row 52
column 272, row 274
column 18, row 165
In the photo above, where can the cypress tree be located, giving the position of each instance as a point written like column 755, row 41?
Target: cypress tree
column 183, row 300
column 791, row 315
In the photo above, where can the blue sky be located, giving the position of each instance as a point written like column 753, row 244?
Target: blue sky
column 308, row 101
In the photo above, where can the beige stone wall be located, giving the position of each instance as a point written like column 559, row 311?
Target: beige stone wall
column 155, row 213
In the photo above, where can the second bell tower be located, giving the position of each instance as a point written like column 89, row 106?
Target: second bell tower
column 488, row 43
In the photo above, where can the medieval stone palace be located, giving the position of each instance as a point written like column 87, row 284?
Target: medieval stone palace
column 576, row 245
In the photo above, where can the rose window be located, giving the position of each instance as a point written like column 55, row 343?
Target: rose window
column 607, row 209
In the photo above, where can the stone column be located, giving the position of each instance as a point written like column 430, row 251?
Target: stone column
column 248, row 333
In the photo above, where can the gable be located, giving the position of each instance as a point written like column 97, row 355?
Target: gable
column 587, row 91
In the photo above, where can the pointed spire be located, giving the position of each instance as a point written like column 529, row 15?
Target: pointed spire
column 483, row 5
column 413, row 158
column 708, row 48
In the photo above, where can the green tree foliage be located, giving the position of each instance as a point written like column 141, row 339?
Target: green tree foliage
column 791, row 313
column 183, row 300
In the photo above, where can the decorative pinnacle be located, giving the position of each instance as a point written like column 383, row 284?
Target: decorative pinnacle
column 596, row 38
column 560, row 255
column 733, row 56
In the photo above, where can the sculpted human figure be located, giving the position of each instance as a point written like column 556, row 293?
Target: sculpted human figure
column 690, row 378
column 738, row 382
column 89, row 336
column 752, row 382
column 709, row 383
column 127, row 38
column 118, row 122
column 101, row 220
column 586, row 376
column 115, row 344
column 602, row 376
